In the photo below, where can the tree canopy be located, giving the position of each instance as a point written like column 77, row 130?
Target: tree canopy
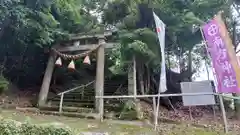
column 28, row 27
column 134, row 21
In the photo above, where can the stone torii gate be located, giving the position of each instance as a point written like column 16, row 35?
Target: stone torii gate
column 74, row 45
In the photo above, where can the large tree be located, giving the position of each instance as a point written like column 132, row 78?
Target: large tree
column 135, row 24
column 30, row 27
column 136, row 29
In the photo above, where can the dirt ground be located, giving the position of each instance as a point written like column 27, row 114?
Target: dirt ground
column 203, row 118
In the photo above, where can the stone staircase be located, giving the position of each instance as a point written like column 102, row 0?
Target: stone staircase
column 79, row 103
column 77, row 98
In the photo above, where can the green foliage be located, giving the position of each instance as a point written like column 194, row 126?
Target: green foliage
column 42, row 22
column 119, row 65
column 115, row 11
column 123, row 54
column 179, row 17
column 128, row 110
column 30, row 27
column 10, row 127
column 3, row 84
column 35, row 23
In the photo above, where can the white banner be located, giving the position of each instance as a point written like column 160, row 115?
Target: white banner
column 160, row 27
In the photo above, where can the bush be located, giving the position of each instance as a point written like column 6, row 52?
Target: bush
column 10, row 127
column 3, row 84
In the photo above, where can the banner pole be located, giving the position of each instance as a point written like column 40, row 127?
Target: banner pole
column 220, row 96
column 223, row 113
column 160, row 27
column 154, row 113
column 157, row 112
column 208, row 54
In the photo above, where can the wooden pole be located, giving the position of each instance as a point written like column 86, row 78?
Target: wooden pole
column 154, row 113
column 47, row 80
column 208, row 76
column 220, row 96
column 61, row 103
column 99, row 86
column 162, row 95
column 134, row 78
column 223, row 113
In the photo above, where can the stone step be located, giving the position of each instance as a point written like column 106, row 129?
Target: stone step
column 86, row 93
column 83, row 94
column 112, row 106
column 67, row 109
column 77, row 95
column 78, row 100
column 73, row 100
column 90, row 115
column 129, row 115
column 72, row 104
column 57, row 100
column 72, row 114
column 85, row 97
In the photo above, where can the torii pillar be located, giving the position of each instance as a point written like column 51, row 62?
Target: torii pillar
column 47, row 79
column 99, row 85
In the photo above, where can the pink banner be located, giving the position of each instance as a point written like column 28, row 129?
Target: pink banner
column 225, row 74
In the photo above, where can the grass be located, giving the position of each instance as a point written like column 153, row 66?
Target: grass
column 112, row 128
column 78, row 125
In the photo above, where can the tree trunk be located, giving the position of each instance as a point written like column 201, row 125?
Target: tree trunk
column 169, row 62
column 190, row 64
column 206, row 66
column 147, row 85
column 132, row 87
column 134, row 77
column 132, row 90
column 181, row 61
column 140, row 77
column 6, row 22
column 186, row 72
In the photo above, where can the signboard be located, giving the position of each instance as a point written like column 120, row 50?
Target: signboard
column 198, row 87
